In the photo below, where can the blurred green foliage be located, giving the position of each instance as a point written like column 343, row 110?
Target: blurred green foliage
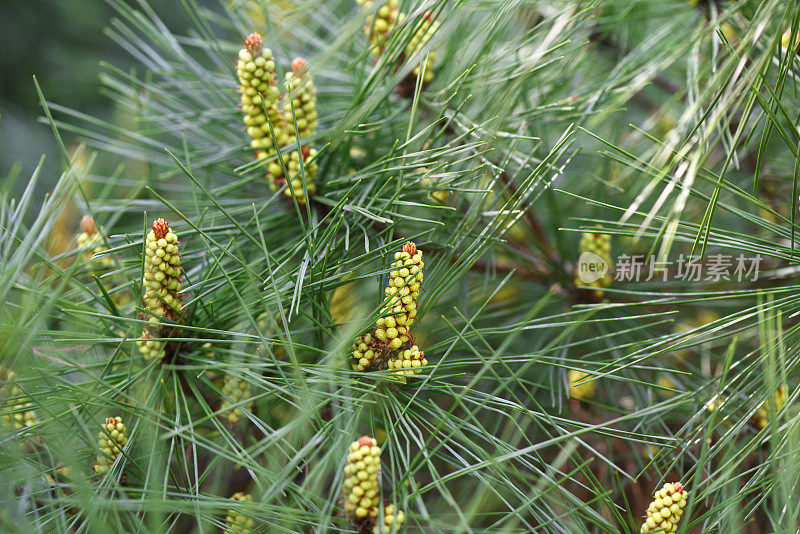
column 62, row 43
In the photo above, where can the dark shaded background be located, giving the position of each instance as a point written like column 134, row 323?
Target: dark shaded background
column 62, row 43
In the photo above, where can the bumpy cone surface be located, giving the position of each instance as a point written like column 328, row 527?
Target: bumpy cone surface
column 391, row 520
column 379, row 29
column 258, row 87
column 393, row 332
column 599, row 244
column 237, row 390
column 13, row 398
column 772, row 406
column 666, row 510
column 578, row 391
column 294, row 166
column 111, row 440
column 302, row 96
column 402, row 293
column 361, row 491
column 236, row 522
column 381, row 25
column 365, row 352
column 162, row 283
column 91, row 242
column 426, row 29
column 408, row 361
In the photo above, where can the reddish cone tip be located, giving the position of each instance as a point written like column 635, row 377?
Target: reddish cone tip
column 253, row 43
column 678, row 486
column 299, row 66
column 160, row 228
column 111, row 421
column 410, row 247
column 365, row 441
column 88, row 226
column 429, row 16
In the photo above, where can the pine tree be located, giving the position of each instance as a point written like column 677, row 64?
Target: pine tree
column 378, row 216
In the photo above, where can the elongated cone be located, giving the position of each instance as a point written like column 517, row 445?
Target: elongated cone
column 299, row 107
column 300, row 101
column 361, row 471
column 393, row 331
column 402, row 293
column 259, row 92
column 237, row 522
column 162, row 285
column 379, row 30
column 91, row 242
column 111, row 439
column 666, row 509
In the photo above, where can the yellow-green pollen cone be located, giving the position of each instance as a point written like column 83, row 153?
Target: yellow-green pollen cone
column 162, row 286
column 236, row 522
column 362, row 501
column 427, row 28
column 236, row 390
column 402, row 294
column 361, row 491
column 258, row 88
column 666, row 509
column 91, row 242
column 17, row 413
column 390, row 341
column 111, row 439
column 408, row 362
column 302, row 97
column 380, row 25
column 379, row 30
column 595, row 249
column 391, row 521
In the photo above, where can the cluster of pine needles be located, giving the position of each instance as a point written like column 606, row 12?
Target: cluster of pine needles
column 333, row 267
